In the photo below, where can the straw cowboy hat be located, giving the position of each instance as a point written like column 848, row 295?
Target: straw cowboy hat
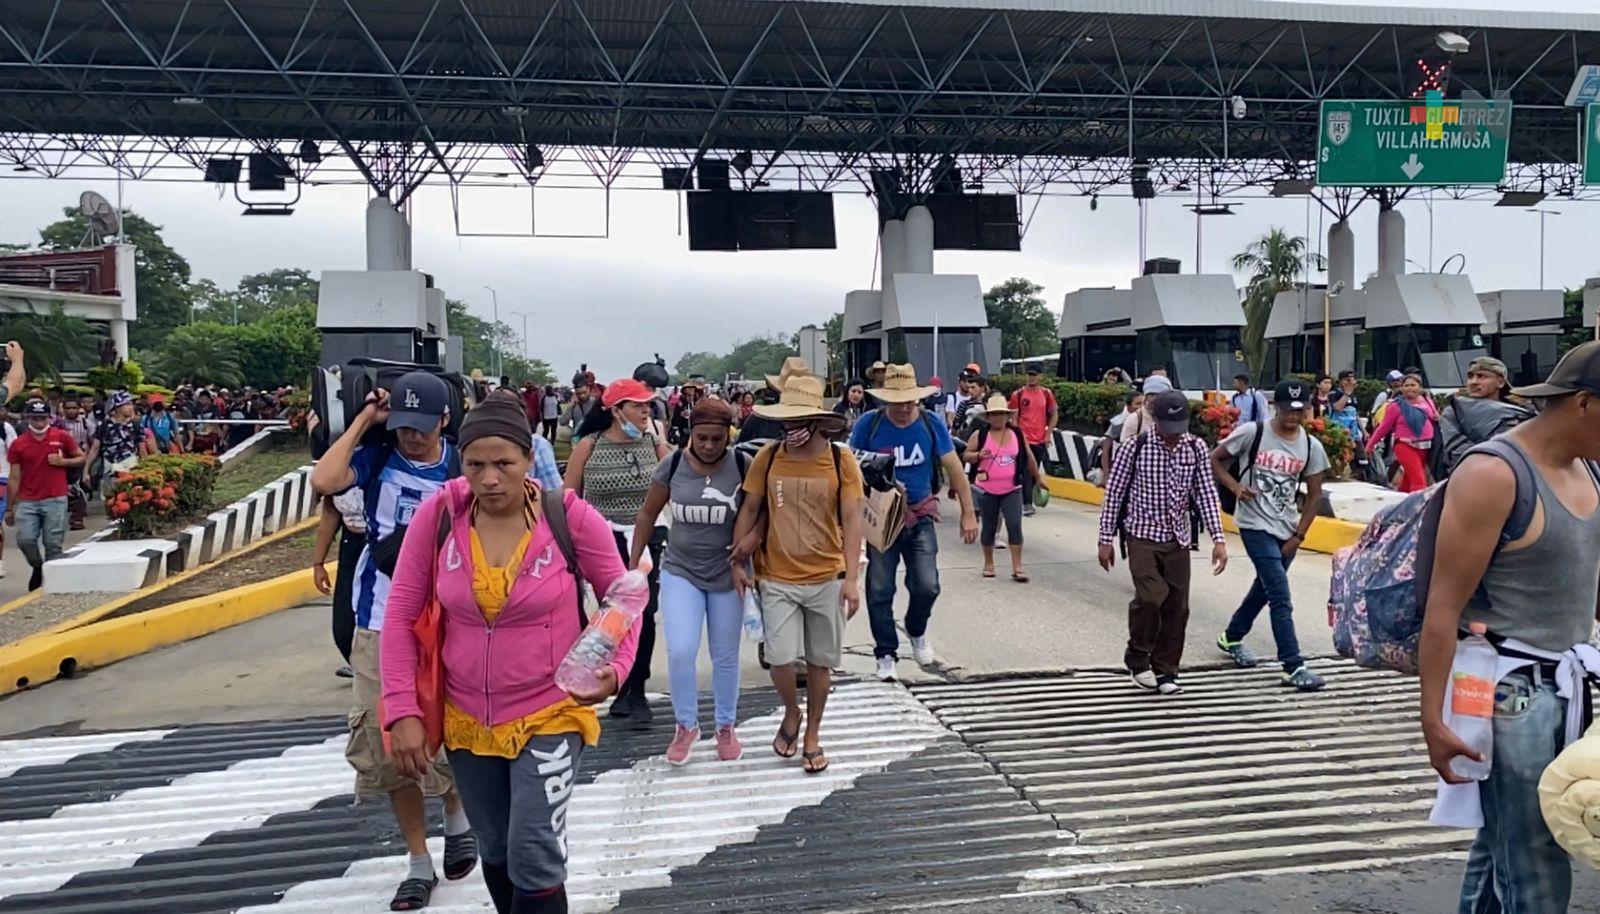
column 793, row 365
column 800, row 398
column 997, row 404
column 900, row 386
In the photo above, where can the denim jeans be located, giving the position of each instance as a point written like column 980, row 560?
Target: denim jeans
column 919, row 547
column 1515, row 865
column 41, row 528
column 1271, row 588
column 685, row 610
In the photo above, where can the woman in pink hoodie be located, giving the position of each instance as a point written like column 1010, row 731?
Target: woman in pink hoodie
column 485, row 547
column 1412, row 418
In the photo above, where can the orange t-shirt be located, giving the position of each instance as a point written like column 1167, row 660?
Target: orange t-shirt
column 805, row 540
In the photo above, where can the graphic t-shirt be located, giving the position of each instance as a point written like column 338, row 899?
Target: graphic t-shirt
column 915, row 452
column 402, row 486
column 1276, row 474
column 40, row 480
column 703, row 509
column 118, row 440
column 1033, row 412
column 805, row 542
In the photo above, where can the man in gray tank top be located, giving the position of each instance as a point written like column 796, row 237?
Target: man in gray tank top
column 1540, row 589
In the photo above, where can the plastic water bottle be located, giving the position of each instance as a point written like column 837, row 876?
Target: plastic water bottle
column 624, row 603
column 754, row 628
column 1471, row 707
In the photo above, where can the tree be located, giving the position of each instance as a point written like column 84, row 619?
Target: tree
column 477, row 346
column 704, row 364
column 163, row 274
column 1027, row 326
column 1275, row 262
column 833, row 333
column 282, row 347
column 203, row 353
column 50, row 341
column 757, row 356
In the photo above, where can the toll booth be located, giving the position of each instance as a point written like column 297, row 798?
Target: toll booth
column 1191, row 323
column 861, row 333
column 936, row 322
column 381, row 314
column 1429, row 320
column 98, row 284
column 1096, row 334
column 1522, row 327
column 1294, row 333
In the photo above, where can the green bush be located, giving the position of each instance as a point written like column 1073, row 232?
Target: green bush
column 126, row 375
column 1082, row 407
column 1367, row 390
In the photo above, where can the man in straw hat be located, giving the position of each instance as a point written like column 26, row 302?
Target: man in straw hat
column 808, row 562
column 921, row 447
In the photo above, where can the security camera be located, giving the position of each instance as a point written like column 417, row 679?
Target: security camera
column 1094, row 203
column 1239, row 107
column 1452, row 42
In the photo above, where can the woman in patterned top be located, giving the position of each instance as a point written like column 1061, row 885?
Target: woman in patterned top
column 611, row 467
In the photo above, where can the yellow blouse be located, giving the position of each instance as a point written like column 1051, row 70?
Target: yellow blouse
column 492, row 587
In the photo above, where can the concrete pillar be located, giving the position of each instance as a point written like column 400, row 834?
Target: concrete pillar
column 891, row 250
column 1341, row 254
column 919, row 241
column 119, row 336
column 388, row 237
column 1391, row 242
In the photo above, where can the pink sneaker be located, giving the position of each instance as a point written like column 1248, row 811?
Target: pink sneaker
column 728, row 748
column 682, row 742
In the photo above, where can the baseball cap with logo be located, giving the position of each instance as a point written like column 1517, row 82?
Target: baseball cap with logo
column 1170, row 409
column 1291, row 394
column 419, row 400
column 1578, row 370
column 36, row 408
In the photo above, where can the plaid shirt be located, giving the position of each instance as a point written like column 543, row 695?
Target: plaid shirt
column 1161, row 491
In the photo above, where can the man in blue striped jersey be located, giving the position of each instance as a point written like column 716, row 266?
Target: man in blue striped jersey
column 396, row 476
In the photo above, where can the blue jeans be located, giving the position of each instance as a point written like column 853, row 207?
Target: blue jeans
column 1271, row 588
column 919, row 547
column 1515, row 865
column 685, row 609
column 41, row 528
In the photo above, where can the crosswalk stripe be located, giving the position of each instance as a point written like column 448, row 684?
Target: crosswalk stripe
column 1236, row 775
column 16, row 754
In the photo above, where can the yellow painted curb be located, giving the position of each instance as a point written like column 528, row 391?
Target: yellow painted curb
column 1327, row 534
column 21, row 601
column 38, row 659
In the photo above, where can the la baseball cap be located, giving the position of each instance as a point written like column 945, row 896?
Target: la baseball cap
column 1578, row 370
column 1290, row 393
column 419, row 400
column 1171, row 412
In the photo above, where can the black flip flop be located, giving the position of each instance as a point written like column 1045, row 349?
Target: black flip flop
column 810, row 757
column 460, row 855
column 1021, row 577
column 413, row 894
column 792, row 740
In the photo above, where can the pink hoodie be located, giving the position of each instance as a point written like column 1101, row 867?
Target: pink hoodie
column 506, row 671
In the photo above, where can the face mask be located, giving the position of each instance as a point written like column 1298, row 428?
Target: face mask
column 632, row 431
column 797, row 436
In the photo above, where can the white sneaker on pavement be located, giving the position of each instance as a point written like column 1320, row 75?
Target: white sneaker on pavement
column 1145, row 679
column 922, row 651
column 886, row 669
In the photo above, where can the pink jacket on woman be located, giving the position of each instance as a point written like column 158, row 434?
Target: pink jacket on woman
column 505, row 671
column 1402, row 432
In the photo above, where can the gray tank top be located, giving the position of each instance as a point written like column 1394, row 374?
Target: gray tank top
column 1544, row 593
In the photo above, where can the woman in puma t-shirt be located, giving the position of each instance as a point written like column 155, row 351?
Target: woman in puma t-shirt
column 701, row 483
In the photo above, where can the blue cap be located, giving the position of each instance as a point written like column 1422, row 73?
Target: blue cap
column 418, row 401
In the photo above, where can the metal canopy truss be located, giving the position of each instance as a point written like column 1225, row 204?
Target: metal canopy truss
column 821, row 93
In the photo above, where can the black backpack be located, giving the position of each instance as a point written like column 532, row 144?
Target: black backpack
column 338, row 398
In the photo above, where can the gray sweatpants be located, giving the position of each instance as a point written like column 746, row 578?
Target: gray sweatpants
column 518, row 807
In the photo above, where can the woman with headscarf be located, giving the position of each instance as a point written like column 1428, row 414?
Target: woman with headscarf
column 1480, row 411
column 1411, row 417
column 490, row 547
column 615, row 456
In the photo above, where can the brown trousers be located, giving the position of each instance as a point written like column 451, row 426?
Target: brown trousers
column 1159, row 612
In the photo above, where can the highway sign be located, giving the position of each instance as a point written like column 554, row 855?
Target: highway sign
column 1591, row 143
column 1385, row 143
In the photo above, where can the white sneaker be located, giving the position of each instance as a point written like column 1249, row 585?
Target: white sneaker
column 886, row 669
column 1145, row 679
column 2, row 570
column 922, row 651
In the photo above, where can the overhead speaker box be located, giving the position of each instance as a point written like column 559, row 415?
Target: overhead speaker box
column 269, row 171
column 676, row 179
column 223, row 171
column 713, row 174
column 975, row 222
column 729, row 220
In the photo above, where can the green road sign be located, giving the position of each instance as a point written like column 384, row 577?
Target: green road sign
column 1591, row 144
column 1388, row 143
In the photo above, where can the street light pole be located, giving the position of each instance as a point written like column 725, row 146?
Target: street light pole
column 494, row 331
column 527, row 352
column 1328, row 295
column 1543, row 213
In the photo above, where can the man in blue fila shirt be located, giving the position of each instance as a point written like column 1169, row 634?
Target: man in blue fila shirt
column 919, row 443
column 396, row 476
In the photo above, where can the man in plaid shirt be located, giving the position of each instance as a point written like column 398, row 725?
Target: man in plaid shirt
column 1158, row 482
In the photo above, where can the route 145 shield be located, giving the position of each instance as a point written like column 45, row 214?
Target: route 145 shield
column 1338, row 127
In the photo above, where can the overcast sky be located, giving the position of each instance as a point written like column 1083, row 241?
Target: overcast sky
column 614, row 301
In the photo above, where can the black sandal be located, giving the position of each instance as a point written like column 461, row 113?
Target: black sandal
column 810, row 759
column 460, row 855
column 790, row 739
column 413, row 894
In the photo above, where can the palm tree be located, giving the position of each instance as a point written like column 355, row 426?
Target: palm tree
column 202, row 353
column 50, row 340
column 1275, row 262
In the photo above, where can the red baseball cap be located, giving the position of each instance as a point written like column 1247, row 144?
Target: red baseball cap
column 625, row 391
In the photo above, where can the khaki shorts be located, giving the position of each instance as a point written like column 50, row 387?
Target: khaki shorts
column 375, row 771
column 803, row 622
